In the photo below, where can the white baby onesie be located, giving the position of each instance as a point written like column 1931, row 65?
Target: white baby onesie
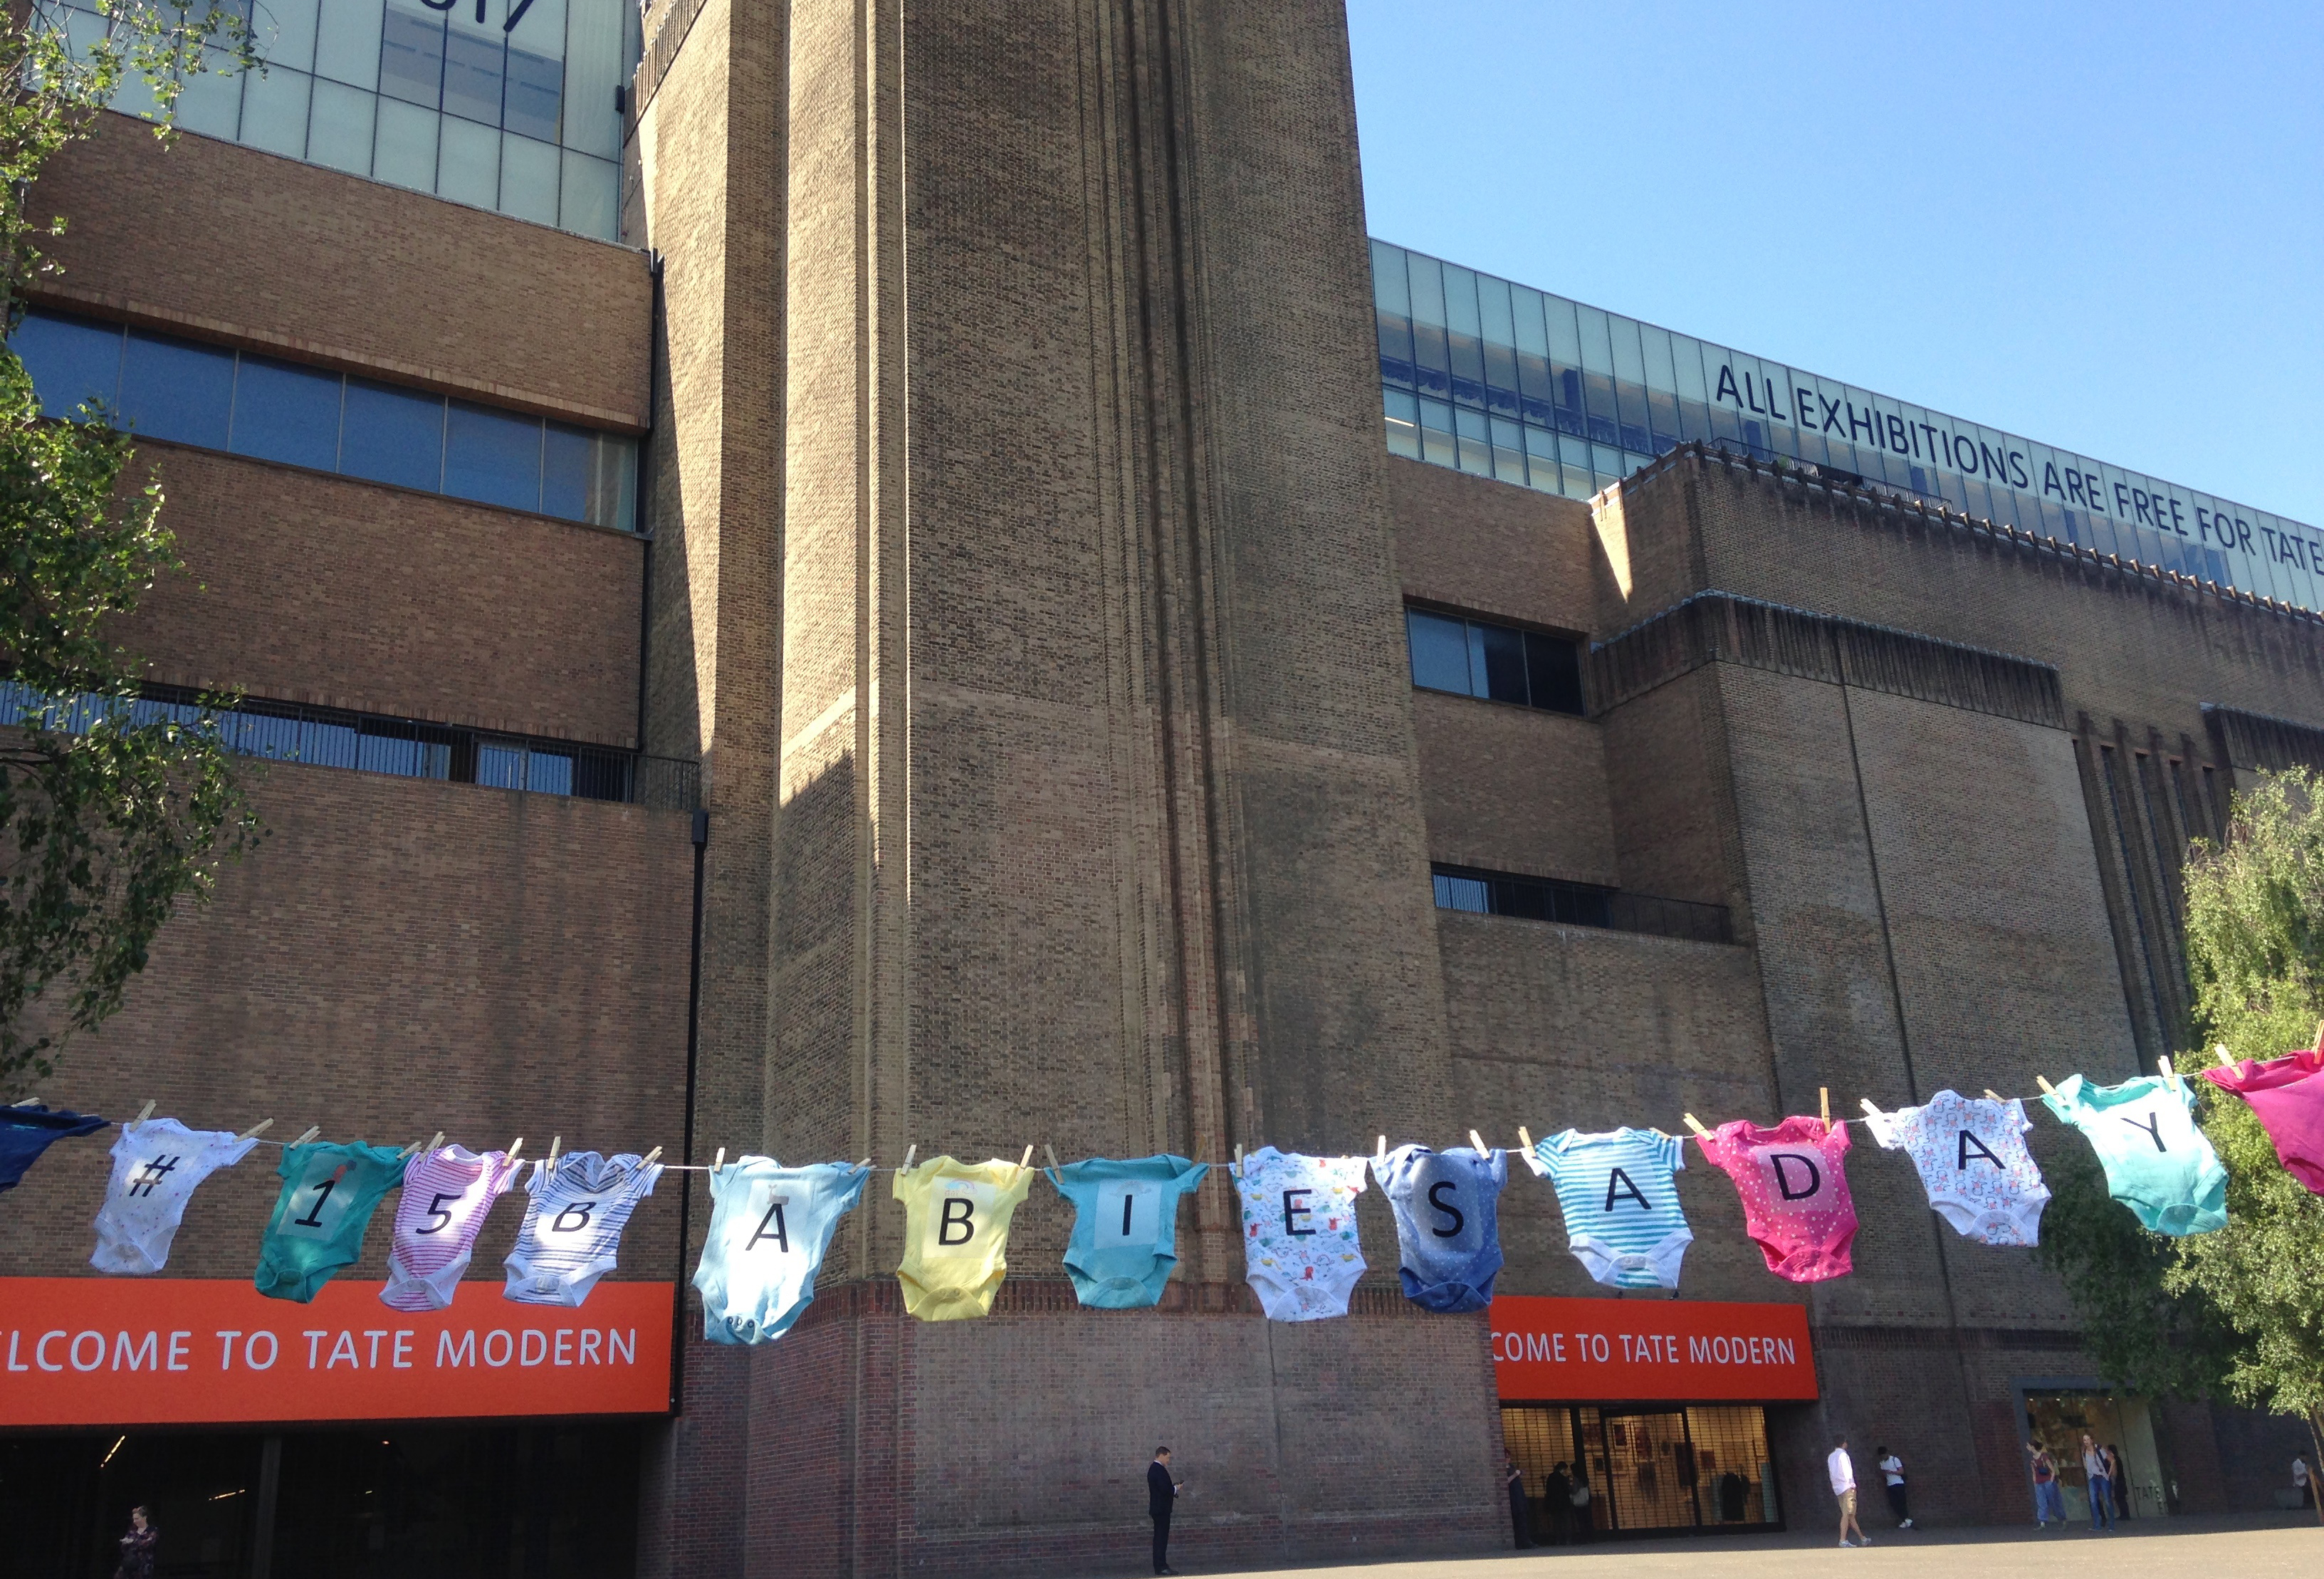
column 573, row 1225
column 445, row 1194
column 1971, row 1155
column 1300, row 1250
column 156, row 1165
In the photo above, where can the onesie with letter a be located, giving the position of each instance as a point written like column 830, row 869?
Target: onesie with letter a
column 1970, row 1152
column 445, row 1194
column 1623, row 1222
column 2157, row 1162
column 1125, row 1237
column 1795, row 1202
column 770, row 1226
column 1448, row 1235
column 156, row 1164
column 1300, row 1251
column 956, row 1234
column 572, row 1228
column 2288, row 1099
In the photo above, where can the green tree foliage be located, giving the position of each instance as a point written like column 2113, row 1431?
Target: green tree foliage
column 109, row 813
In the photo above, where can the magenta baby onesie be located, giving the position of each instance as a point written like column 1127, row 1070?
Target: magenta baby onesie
column 1795, row 1192
column 2288, row 1100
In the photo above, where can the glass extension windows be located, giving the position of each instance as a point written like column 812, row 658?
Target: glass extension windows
column 1499, row 663
column 1492, row 378
column 508, row 105
column 191, row 394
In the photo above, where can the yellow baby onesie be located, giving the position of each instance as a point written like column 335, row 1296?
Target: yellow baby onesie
column 956, row 1229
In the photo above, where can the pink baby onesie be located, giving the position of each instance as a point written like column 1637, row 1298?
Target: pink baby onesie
column 445, row 1194
column 1795, row 1192
column 2288, row 1100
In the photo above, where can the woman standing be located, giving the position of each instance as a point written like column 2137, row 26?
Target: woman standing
column 2100, row 1483
column 2049, row 1501
column 1892, row 1470
column 137, row 1547
column 2115, row 1478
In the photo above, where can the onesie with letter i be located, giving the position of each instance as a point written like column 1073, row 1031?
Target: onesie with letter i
column 1125, row 1226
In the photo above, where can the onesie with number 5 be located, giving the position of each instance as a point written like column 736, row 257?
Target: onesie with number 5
column 445, row 1194
column 957, row 1234
column 329, row 1192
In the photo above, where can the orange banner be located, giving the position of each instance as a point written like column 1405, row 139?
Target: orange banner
column 1619, row 1350
column 150, row 1351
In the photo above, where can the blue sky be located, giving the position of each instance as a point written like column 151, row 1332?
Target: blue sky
column 2101, row 226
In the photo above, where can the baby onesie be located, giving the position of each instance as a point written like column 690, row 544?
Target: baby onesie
column 2157, row 1162
column 1125, row 1226
column 1623, row 1222
column 1794, row 1190
column 957, row 1234
column 1448, row 1233
column 445, row 1194
column 2288, row 1100
column 156, row 1166
column 26, row 1131
column 573, row 1225
column 1971, row 1156
column 768, row 1228
column 329, row 1192
column 1300, row 1251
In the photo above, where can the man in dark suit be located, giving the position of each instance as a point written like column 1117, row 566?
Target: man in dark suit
column 1161, row 1497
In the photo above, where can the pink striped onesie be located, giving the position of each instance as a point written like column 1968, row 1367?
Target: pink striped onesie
column 446, row 1194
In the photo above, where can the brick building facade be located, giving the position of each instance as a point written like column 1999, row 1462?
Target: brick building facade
column 1017, row 560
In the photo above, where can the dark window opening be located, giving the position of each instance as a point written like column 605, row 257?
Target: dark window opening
column 1576, row 904
column 1499, row 663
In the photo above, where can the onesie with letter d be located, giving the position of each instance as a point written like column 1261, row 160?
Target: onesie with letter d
column 957, row 1234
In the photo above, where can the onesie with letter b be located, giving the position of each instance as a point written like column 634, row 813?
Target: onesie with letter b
column 956, row 1234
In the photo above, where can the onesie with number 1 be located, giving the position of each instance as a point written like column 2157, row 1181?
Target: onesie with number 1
column 329, row 1192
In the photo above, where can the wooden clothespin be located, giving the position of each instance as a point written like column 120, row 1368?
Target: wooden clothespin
column 865, row 1163
column 2170, row 1075
column 312, row 1130
column 1823, row 1104
column 556, row 1144
column 1477, row 1144
column 2320, row 1036
column 411, row 1150
column 1236, row 1168
column 256, row 1130
column 1379, row 1147
column 2220, row 1052
column 1524, row 1137
column 437, row 1141
column 908, row 1153
column 719, row 1161
column 2044, row 1082
column 1051, row 1152
column 1026, row 1161
column 649, row 1159
column 143, row 1113
column 515, row 1146
column 1696, row 1125
column 1995, row 1095
column 1868, row 1108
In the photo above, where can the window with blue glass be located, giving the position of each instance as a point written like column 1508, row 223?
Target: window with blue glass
column 160, row 387
column 1499, row 663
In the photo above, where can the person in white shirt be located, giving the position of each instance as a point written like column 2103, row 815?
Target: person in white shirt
column 1843, row 1488
column 1892, row 1469
column 2100, row 1485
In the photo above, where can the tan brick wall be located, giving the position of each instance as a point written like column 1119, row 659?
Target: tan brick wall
column 308, row 587
column 1494, row 549
column 254, row 250
column 400, row 956
column 1514, row 789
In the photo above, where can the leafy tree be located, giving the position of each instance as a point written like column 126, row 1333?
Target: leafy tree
column 111, row 810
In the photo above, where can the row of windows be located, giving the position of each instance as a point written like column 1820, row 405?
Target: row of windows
column 329, row 737
column 1576, row 904
column 1503, row 381
column 1498, row 662
column 160, row 387
column 508, row 105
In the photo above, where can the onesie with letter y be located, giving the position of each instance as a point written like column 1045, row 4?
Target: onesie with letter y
column 957, row 1234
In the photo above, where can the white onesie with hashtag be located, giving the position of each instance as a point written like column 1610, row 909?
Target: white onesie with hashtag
column 1299, row 1244
column 573, row 1226
column 156, row 1165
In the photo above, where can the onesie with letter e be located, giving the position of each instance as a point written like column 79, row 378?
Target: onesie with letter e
column 1300, row 1251
column 956, row 1234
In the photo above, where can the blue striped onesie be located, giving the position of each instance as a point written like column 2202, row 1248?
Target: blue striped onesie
column 1622, row 1217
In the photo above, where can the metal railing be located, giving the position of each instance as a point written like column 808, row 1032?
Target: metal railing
column 408, row 748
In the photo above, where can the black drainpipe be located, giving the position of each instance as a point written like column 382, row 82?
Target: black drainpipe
column 685, row 1148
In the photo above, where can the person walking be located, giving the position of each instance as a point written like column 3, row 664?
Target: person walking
column 2049, row 1498
column 137, row 1547
column 1161, row 1497
column 1520, row 1514
column 1557, row 1500
column 1892, row 1470
column 1842, row 1469
column 2300, row 1482
column 2100, row 1485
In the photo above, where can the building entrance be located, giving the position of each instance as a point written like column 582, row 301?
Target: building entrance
column 1651, row 1468
column 2058, row 1421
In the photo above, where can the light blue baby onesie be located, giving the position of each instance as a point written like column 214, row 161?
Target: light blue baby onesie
column 1622, row 1217
column 768, row 1228
column 2157, row 1162
column 1448, row 1235
column 1125, row 1226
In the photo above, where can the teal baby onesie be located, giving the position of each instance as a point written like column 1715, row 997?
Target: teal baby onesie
column 329, row 1192
column 1623, row 1222
column 770, row 1226
column 1125, row 1226
column 2157, row 1162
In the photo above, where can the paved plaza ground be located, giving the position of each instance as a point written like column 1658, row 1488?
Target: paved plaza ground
column 2239, row 1547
